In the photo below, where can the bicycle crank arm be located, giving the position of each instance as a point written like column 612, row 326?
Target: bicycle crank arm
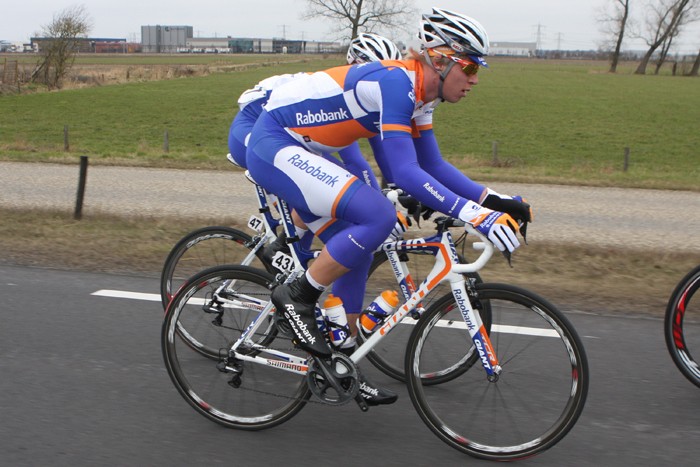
column 335, row 380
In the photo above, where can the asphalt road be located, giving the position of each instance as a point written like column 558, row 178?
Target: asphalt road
column 654, row 219
column 83, row 383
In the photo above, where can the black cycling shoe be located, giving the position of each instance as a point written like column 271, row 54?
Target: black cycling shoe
column 296, row 303
column 280, row 244
column 374, row 395
column 370, row 392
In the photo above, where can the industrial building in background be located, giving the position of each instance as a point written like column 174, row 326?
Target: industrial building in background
column 180, row 39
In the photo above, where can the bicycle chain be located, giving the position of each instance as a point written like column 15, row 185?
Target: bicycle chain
column 262, row 349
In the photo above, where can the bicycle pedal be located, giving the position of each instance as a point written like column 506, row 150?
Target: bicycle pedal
column 361, row 403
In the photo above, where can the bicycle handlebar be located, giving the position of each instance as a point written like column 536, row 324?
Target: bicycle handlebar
column 445, row 222
column 484, row 245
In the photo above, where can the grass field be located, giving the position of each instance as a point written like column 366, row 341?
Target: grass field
column 553, row 121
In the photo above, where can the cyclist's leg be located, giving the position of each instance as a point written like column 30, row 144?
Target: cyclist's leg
column 351, row 289
column 313, row 185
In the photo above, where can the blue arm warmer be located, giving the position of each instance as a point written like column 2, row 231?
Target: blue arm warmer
column 431, row 161
column 400, row 155
column 378, row 149
column 357, row 165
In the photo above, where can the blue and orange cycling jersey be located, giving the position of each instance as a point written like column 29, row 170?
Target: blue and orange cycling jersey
column 329, row 110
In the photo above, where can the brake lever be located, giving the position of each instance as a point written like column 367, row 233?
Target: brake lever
column 507, row 254
column 523, row 230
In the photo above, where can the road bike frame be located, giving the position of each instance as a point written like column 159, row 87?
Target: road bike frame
column 447, row 268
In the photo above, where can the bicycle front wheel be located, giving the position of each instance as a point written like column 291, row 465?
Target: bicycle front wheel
column 204, row 248
column 255, row 396
column 682, row 325
column 537, row 397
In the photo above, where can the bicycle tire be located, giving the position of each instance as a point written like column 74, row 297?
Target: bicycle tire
column 538, row 396
column 263, row 396
column 389, row 355
column 200, row 249
column 682, row 314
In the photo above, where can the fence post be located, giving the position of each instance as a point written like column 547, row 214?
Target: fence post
column 81, row 188
column 627, row 159
column 66, row 145
column 166, row 142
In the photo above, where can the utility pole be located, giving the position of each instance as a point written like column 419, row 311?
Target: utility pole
column 284, row 31
column 539, row 37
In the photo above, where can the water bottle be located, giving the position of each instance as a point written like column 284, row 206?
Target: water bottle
column 375, row 313
column 337, row 320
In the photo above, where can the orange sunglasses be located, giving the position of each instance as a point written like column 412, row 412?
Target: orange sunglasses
column 468, row 67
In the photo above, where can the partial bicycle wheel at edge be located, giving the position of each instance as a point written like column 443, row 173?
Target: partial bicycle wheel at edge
column 682, row 325
column 538, row 396
column 201, row 249
column 253, row 397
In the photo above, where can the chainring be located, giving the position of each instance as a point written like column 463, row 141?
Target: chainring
column 335, row 380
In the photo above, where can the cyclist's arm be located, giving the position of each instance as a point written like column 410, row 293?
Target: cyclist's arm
column 378, row 150
column 430, row 159
column 357, row 165
column 402, row 160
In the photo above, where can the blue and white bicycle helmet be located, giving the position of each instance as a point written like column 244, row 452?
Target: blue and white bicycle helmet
column 462, row 34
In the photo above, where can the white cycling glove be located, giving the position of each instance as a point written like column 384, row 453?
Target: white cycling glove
column 500, row 228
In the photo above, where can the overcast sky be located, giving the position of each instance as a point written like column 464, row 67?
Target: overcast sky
column 564, row 24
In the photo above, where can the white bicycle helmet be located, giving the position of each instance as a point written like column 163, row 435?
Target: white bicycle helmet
column 461, row 33
column 368, row 47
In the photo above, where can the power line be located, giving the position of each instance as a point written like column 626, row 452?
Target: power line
column 539, row 35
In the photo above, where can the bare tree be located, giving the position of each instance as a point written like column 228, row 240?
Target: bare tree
column 355, row 16
column 614, row 26
column 696, row 65
column 62, row 38
column 663, row 53
column 664, row 23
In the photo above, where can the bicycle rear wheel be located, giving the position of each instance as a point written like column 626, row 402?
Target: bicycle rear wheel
column 682, row 326
column 253, row 397
column 538, row 396
column 389, row 354
column 204, row 248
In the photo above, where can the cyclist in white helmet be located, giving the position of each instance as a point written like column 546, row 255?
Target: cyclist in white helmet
column 364, row 48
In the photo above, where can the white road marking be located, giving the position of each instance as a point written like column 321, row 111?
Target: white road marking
column 150, row 297
column 501, row 328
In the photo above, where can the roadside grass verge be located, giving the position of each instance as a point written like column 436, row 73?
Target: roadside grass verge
column 572, row 277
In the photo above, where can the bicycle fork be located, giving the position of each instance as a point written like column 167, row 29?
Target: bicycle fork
column 476, row 328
